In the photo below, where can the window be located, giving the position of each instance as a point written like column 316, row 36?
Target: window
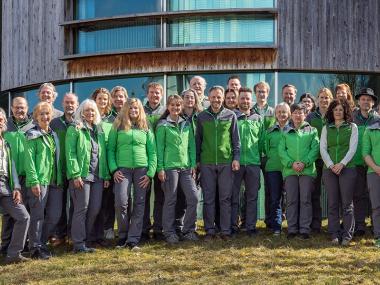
column 179, row 5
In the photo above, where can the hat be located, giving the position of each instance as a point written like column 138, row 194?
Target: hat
column 366, row 91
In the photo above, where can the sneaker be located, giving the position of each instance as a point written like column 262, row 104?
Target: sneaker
column 335, row 241
column 377, row 242
column 121, row 242
column 38, row 253
column 252, row 233
column 172, row 239
column 15, row 259
column 109, row 234
column 133, row 247
column 84, row 249
column 291, row 235
column 277, row 233
column 345, row 242
column 46, row 250
column 304, row 236
column 191, row 236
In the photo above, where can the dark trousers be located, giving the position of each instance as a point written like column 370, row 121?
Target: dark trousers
column 275, row 186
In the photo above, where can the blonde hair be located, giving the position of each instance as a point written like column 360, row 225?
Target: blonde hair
column 102, row 90
column 155, row 85
column 123, row 120
column 326, row 91
column 79, row 117
column 260, row 84
column 39, row 107
column 119, row 88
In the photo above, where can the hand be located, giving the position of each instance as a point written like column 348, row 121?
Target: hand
column 235, row 165
column 337, row 168
column 17, row 198
column 78, row 183
column 194, row 173
column 106, row 184
column 161, row 175
column 118, row 176
column 144, row 182
column 377, row 170
column 36, row 190
column 298, row 166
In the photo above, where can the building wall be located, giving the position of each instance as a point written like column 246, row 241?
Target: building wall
column 326, row 35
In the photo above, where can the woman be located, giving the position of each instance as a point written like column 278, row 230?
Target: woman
column 132, row 159
column 10, row 198
column 298, row 150
column 43, row 173
column 176, row 167
column 102, row 98
column 308, row 101
column 338, row 144
column 317, row 120
column 87, row 172
column 371, row 154
column 343, row 91
column 273, row 166
column 231, row 99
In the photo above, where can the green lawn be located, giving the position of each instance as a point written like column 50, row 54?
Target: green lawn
column 264, row 259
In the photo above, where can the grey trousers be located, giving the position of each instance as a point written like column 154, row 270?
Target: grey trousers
column 53, row 212
column 213, row 176
column 251, row 176
column 298, row 207
column 340, row 189
column 174, row 178
column 316, row 222
column 20, row 217
column 158, row 205
column 361, row 198
column 87, row 203
column 374, row 193
column 130, row 227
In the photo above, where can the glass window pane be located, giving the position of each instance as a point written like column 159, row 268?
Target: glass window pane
column 228, row 30
column 133, row 36
column 136, row 86
column 87, row 9
column 179, row 5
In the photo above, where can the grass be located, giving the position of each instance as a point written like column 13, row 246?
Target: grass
column 264, row 259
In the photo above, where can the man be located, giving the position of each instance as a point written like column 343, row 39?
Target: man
column 251, row 140
column 233, row 82
column 199, row 84
column 289, row 93
column 47, row 93
column 218, row 154
column 119, row 96
column 362, row 117
column 58, row 196
column 17, row 125
column 154, row 110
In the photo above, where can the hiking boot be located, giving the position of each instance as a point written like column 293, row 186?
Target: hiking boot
column 191, row 236
column 172, row 239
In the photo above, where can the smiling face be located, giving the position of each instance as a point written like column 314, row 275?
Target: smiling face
column 134, row 112
column 216, row 98
column 282, row 115
column 231, row 101
column 338, row 113
column 70, row 104
column 102, row 101
column 245, row 101
column 118, row 99
column 19, row 109
column 189, row 100
column 47, row 94
column 44, row 117
column 262, row 94
column 175, row 108
column 308, row 103
column 154, row 96
column 366, row 103
column 289, row 95
column 298, row 117
column 324, row 100
column 199, row 85
column 234, row 84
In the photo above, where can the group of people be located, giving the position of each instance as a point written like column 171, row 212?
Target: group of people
column 72, row 173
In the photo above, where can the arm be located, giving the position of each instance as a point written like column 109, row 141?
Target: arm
column 353, row 145
column 286, row 160
column 30, row 167
column 72, row 165
column 111, row 150
column 323, row 149
column 16, row 182
column 235, row 139
column 314, row 149
column 198, row 140
column 160, row 142
column 192, row 151
column 367, row 151
column 152, row 154
column 261, row 139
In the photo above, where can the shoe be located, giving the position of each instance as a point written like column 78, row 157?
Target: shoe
column 172, row 239
column 191, row 236
column 304, row 236
column 252, row 233
column 180, row 236
column 38, row 253
column 133, row 247
column 158, row 236
column 209, row 237
column 102, row 243
column 145, row 237
column 335, row 241
column 291, row 235
column 225, row 237
column 46, row 250
column 377, row 242
column 15, row 259
column 109, row 234
column 84, row 249
column 359, row 233
column 277, row 233
column 121, row 242
column 345, row 242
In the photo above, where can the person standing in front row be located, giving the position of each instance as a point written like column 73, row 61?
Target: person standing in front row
column 132, row 159
column 298, row 150
column 218, row 154
column 339, row 139
column 176, row 167
column 88, row 174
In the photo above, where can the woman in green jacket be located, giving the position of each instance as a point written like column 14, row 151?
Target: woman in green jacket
column 87, row 171
column 132, row 159
column 298, row 150
column 43, row 173
column 176, row 167
column 273, row 166
column 338, row 145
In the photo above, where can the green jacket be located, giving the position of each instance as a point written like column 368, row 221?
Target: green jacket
column 59, row 126
column 272, row 139
column 42, row 153
column 267, row 114
column 134, row 148
column 175, row 144
column 371, row 143
column 192, row 120
column 78, row 152
column 153, row 115
column 106, row 123
column 299, row 145
column 362, row 124
column 251, row 138
column 15, row 136
column 217, row 137
column 316, row 120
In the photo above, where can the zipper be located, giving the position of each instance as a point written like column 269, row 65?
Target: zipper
column 337, row 144
column 216, row 140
